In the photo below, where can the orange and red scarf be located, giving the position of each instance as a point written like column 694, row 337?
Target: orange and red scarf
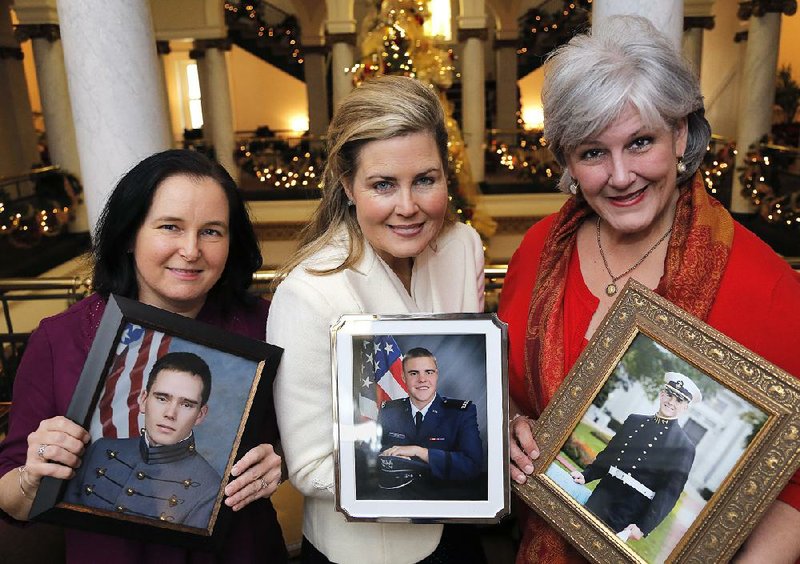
column 702, row 235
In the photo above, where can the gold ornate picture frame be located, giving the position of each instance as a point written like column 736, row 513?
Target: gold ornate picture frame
column 743, row 425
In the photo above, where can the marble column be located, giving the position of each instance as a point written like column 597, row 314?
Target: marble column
column 48, row 54
column 507, row 96
column 693, row 47
column 218, row 111
column 472, row 35
column 758, row 82
column 666, row 15
column 115, row 91
column 341, row 36
column 314, row 68
column 343, row 58
column 17, row 136
column 697, row 18
column 163, row 49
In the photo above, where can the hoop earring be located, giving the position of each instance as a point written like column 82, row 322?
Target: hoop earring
column 681, row 166
column 574, row 187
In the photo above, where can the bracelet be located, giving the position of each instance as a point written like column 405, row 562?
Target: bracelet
column 22, row 470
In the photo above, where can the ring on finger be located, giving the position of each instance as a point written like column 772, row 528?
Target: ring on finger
column 263, row 483
column 40, row 451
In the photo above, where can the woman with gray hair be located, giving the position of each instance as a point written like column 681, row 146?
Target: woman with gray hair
column 624, row 116
column 382, row 241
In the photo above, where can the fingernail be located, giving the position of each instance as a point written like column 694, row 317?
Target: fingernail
column 534, row 454
column 520, row 479
column 528, row 469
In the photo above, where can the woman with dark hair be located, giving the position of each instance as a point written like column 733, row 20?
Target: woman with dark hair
column 128, row 206
column 174, row 234
column 624, row 116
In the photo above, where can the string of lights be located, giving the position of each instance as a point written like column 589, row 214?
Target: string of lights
column 25, row 221
column 246, row 14
column 275, row 165
column 758, row 184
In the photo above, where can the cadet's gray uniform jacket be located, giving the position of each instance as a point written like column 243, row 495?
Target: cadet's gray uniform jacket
column 172, row 483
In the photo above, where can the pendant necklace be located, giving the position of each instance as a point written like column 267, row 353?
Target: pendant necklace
column 611, row 289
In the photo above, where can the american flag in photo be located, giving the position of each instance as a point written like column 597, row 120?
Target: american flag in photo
column 117, row 413
column 381, row 374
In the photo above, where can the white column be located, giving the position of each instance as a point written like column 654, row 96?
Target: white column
column 48, row 54
column 693, row 47
column 115, row 90
column 697, row 17
column 666, row 15
column 17, row 136
column 219, row 114
column 317, row 87
column 163, row 49
column 343, row 59
column 507, row 98
column 52, row 77
column 341, row 36
column 757, row 93
column 473, row 96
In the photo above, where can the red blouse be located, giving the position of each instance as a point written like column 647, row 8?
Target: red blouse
column 757, row 305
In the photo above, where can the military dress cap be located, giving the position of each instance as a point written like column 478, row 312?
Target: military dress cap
column 398, row 472
column 682, row 386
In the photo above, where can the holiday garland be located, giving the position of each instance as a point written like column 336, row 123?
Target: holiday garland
column 759, row 185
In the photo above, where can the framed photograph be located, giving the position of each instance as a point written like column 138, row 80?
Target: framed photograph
column 171, row 404
column 421, row 405
column 666, row 441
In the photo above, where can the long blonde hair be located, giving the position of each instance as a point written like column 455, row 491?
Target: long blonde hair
column 381, row 108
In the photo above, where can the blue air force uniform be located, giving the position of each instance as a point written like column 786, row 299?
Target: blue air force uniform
column 171, row 483
column 450, row 433
column 642, row 473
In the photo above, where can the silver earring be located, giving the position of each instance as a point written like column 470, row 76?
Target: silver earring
column 573, row 187
column 350, row 203
column 681, row 166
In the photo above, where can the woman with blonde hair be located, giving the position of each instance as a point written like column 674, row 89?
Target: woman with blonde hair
column 382, row 241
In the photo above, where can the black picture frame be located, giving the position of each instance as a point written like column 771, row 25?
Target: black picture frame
column 238, row 415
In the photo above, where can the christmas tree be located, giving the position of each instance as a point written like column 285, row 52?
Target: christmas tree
column 394, row 43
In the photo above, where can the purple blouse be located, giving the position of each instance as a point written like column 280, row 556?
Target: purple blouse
column 46, row 379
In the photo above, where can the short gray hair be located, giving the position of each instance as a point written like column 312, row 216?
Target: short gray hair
column 590, row 80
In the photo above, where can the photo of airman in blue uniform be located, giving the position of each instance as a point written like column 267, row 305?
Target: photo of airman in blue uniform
column 159, row 475
column 431, row 444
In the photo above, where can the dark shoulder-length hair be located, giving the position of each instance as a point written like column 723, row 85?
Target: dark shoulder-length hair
column 127, row 207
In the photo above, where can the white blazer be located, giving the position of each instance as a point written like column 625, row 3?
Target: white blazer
column 446, row 278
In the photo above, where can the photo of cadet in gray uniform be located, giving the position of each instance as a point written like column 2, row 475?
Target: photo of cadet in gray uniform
column 159, row 475
column 644, row 467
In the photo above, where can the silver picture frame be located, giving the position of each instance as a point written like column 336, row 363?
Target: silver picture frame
column 453, row 465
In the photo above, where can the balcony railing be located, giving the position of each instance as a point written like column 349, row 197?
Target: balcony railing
column 63, row 292
column 66, row 291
